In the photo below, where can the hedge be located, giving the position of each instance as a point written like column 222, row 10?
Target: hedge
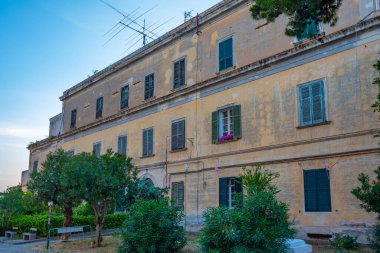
column 25, row 222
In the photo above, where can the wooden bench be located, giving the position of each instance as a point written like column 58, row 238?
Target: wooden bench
column 11, row 234
column 32, row 235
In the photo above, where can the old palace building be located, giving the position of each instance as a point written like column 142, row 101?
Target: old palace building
column 222, row 92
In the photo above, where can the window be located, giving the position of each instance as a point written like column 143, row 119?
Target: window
column 70, row 153
column 226, row 124
column 317, row 190
column 73, row 121
column 35, row 166
column 225, row 52
column 149, row 86
column 99, row 107
column 312, row 29
column 179, row 73
column 147, row 142
column 178, row 135
column 96, row 149
column 228, row 188
column 376, row 3
column 178, row 190
column 122, row 145
column 311, row 99
column 124, row 97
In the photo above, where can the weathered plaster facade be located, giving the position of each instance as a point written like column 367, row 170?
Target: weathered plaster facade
column 267, row 69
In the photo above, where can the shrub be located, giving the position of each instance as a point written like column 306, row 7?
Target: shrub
column 83, row 209
column 2, row 230
column 341, row 242
column 375, row 239
column 152, row 226
column 25, row 222
column 258, row 223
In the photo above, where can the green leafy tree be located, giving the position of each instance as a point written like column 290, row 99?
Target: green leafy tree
column 101, row 181
column 152, row 225
column 368, row 192
column 10, row 203
column 55, row 182
column 32, row 205
column 301, row 13
column 258, row 223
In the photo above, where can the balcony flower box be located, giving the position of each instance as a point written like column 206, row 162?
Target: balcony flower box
column 226, row 138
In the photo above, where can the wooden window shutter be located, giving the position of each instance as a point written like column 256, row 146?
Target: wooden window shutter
column 228, row 53
column 150, row 141
column 124, row 97
column 174, row 136
column 323, row 191
column 182, row 134
column 304, row 105
column 236, row 113
column 174, row 194
column 145, row 142
column 222, row 64
column 214, row 127
column 318, row 102
column 310, row 186
column 238, row 185
column 176, row 74
column 73, row 118
column 146, row 90
column 223, row 191
column 182, row 72
column 181, row 196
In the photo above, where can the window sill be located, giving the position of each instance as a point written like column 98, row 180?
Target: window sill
column 147, row 156
column 178, row 88
column 178, row 150
column 318, row 36
column 124, row 109
column 99, row 118
column 314, row 125
column 226, row 70
column 228, row 141
column 149, row 99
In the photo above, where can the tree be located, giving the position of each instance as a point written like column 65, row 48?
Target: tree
column 368, row 192
column 257, row 223
column 102, row 180
column 301, row 13
column 10, row 203
column 31, row 204
column 55, row 182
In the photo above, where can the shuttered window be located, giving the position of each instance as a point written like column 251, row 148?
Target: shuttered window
column 178, row 195
column 226, row 54
column 124, row 97
column 317, row 190
column 73, row 120
column 312, row 29
column 311, row 100
column 178, row 135
column 226, row 124
column 96, row 149
column 149, row 86
column 228, row 188
column 122, row 145
column 147, row 142
column 179, row 73
column 99, row 107
column 35, row 166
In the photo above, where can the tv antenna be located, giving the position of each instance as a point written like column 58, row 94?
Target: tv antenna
column 187, row 15
column 131, row 22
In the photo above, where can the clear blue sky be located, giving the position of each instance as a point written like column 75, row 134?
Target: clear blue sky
column 47, row 46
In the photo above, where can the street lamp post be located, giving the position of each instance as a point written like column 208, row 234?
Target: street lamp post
column 50, row 204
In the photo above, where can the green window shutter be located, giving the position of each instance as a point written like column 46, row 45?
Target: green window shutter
column 174, row 136
column 238, row 185
column 222, row 50
column 310, row 186
column 181, row 196
column 182, row 72
column 214, row 127
column 145, row 142
column 304, row 105
column 174, row 194
column 223, row 191
column 236, row 112
column 228, row 53
column 323, row 190
column 318, row 102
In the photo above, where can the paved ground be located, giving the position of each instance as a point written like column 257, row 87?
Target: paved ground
column 7, row 247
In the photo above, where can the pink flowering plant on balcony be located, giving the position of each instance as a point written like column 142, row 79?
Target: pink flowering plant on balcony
column 226, row 137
